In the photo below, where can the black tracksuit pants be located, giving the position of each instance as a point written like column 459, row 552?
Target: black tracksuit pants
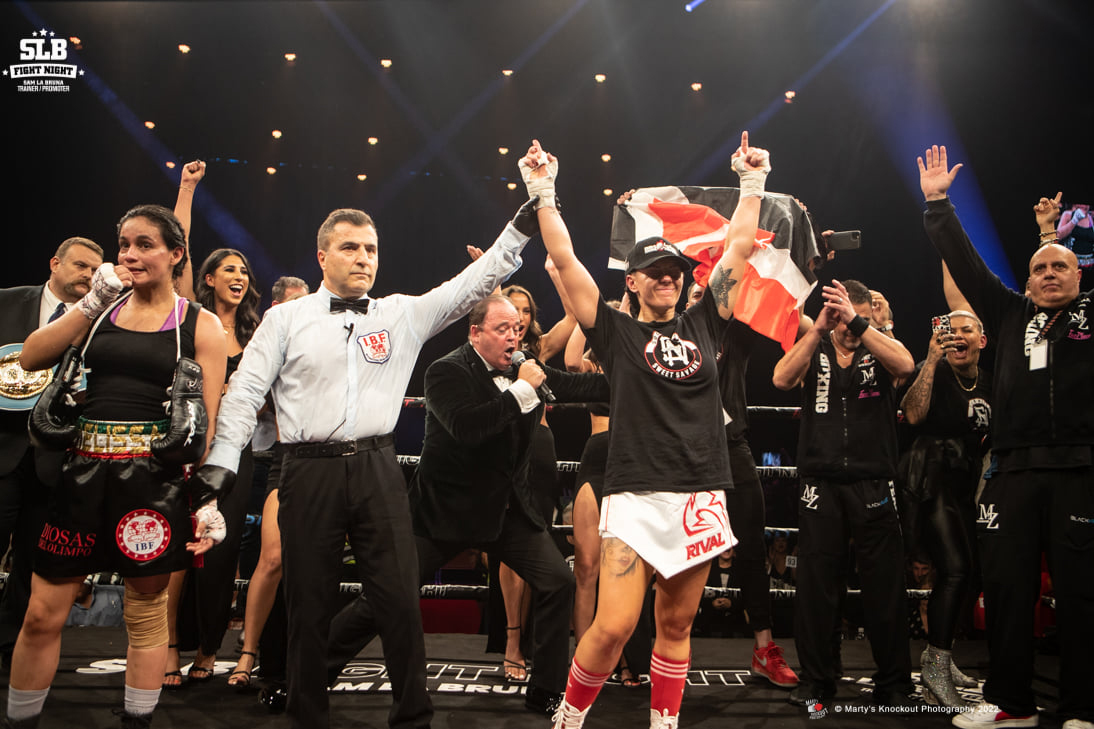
column 830, row 513
column 1022, row 513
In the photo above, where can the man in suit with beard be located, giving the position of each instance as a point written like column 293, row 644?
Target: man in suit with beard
column 469, row 489
column 22, row 471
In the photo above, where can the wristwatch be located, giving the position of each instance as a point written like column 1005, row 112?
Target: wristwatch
column 887, row 328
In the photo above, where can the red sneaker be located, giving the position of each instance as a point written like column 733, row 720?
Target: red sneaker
column 768, row 662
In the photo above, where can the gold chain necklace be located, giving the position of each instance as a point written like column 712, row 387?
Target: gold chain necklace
column 960, row 384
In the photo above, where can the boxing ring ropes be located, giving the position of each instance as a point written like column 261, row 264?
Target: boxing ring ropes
column 472, row 592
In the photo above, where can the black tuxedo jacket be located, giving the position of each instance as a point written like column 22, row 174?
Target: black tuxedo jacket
column 475, row 454
column 19, row 311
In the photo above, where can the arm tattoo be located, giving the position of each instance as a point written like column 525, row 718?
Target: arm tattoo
column 721, row 284
column 918, row 397
column 616, row 558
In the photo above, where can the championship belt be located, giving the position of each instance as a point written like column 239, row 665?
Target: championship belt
column 19, row 389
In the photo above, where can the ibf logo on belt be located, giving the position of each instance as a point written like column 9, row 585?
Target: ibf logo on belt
column 988, row 516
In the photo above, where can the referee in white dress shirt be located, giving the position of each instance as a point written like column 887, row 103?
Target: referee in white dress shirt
column 337, row 364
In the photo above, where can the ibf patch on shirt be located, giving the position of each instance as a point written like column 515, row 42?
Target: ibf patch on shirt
column 672, row 357
column 376, row 346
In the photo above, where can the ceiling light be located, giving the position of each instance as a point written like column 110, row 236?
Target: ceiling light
column 183, row 48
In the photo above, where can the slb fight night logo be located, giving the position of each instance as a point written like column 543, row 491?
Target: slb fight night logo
column 41, row 67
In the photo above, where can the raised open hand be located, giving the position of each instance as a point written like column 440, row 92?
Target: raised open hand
column 935, row 175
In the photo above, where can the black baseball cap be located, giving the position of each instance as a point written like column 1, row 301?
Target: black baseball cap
column 651, row 250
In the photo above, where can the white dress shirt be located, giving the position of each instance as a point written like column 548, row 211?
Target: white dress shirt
column 343, row 376
column 48, row 305
column 522, row 391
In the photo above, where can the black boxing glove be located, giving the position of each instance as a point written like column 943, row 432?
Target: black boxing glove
column 52, row 422
column 207, row 483
column 184, row 441
column 526, row 221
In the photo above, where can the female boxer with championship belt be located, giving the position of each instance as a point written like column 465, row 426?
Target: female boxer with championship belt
column 123, row 504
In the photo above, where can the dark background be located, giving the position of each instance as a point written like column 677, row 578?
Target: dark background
column 1005, row 84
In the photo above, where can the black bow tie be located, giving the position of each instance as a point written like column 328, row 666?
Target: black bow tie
column 501, row 373
column 358, row 305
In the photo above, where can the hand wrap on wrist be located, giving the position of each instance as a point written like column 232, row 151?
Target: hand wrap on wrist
column 215, row 526
column 752, row 181
column 105, row 288
column 543, row 186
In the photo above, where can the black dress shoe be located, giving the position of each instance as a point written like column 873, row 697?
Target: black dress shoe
column 806, row 695
column 897, row 702
column 274, row 698
column 541, row 700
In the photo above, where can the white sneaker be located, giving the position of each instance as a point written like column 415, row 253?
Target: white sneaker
column 1078, row 724
column 989, row 715
column 663, row 721
column 567, row 717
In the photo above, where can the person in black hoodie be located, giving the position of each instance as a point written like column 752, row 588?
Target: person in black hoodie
column 1042, row 491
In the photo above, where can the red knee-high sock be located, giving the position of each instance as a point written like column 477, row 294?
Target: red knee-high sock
column 583, row 686
column 667, row 684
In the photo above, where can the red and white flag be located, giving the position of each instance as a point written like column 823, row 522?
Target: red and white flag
column 777, row 279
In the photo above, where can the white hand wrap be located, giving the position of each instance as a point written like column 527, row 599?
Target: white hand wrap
column 752, row 181
column 543, row 186
column 105, row 288
column 215, row 528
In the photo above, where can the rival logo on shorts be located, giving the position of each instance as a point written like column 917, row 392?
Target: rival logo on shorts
column 66, row 542
column 143, row 535
column 376, row 346
column 705, row 512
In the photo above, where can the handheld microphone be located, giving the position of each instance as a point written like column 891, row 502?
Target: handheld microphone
column 543, row 390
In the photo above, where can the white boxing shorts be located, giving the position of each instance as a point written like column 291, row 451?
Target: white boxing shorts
column 670, row 531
